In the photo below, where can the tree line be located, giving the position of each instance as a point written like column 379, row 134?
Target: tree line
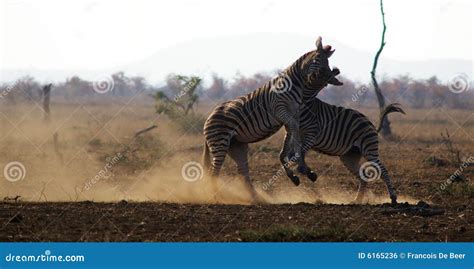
column 416, row 93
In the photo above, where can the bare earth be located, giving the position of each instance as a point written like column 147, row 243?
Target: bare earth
column 87, row 221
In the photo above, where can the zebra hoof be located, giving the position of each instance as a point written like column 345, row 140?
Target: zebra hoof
column 312, row 176
column 394, row 200
column 295, row 180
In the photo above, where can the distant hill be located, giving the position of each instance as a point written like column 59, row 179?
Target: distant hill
column 265, row 52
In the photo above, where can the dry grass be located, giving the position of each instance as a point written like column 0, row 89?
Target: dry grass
column 88, row 133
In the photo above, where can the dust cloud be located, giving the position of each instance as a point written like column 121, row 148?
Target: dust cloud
column 66, row 161
column 47, row 179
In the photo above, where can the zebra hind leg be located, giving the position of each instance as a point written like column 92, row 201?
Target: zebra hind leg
column 386, row 178
column 351, row 161
column 239, row 152
column 217, row 160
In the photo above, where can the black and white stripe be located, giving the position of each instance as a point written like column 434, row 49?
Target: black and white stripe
column 261, row 113
column 338, row 131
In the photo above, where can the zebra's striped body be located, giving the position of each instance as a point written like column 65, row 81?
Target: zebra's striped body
column 335, row 130
column 261, row 113
column 339, row 131
column 245, row 119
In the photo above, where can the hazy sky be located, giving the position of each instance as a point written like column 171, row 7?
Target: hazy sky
column 102, row 34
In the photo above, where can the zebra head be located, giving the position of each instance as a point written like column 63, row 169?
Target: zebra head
column 316, row 72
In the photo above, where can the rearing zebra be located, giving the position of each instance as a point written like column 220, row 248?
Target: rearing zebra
column 338, row 131
column 261, row 113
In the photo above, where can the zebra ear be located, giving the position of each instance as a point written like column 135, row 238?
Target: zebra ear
column 319, row 44
column 330, row 53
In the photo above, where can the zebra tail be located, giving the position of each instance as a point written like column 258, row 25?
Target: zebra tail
column 395, row 107
column 206, row 159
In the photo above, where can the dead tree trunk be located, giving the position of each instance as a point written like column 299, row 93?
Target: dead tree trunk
column 386, row 131
column 56, row 148
column 46, row 100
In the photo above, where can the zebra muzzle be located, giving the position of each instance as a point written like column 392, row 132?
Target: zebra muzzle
column 333, row 80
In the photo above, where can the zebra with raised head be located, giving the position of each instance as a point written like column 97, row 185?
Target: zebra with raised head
column 347, row 133
column 232, row 125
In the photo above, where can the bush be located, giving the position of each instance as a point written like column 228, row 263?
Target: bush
column 180, row 107
column 191, row 123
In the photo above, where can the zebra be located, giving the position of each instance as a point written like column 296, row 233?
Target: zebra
column 347, row 133
column 234, row 124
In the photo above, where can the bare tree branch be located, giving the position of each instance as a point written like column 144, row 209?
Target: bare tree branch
column 386, row 131
column 142, row 131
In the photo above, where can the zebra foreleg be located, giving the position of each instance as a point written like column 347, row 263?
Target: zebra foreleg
column 307, row 141
column 291, row 152
column 304, row 169
column 302, row 166
column 286, row 162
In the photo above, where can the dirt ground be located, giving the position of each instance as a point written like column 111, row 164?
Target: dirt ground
column 143, row 196
column 87, row 221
